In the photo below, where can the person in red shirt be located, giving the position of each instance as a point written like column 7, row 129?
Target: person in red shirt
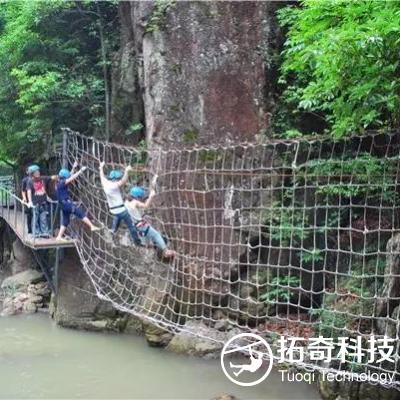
column 38, row 200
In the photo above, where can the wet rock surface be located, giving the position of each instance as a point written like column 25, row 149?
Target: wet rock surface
column 190, row 340
column 355, row 391
column 25, row 299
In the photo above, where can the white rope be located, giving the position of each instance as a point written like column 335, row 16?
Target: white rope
column 282, row 237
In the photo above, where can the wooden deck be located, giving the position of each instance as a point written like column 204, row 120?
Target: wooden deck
column 17, row 221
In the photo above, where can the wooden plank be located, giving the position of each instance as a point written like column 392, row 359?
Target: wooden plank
column 17, row 222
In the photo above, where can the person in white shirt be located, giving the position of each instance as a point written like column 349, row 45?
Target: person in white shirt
column 112, row 188
column 136, row 205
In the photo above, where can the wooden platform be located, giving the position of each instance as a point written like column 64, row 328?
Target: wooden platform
column 15, row 219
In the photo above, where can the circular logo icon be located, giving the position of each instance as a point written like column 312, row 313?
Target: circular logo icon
column 246, row 359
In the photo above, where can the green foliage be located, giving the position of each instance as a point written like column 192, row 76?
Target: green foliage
column 157, row 18
column 351, row 178
column 50, row 72
column 190, row 136
column 341, row 62
column 280, row 289
column 134, row 128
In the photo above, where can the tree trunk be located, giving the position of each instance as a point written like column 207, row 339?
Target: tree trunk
column 105, row 73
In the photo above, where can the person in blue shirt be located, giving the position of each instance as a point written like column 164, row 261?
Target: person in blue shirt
column 65, row 178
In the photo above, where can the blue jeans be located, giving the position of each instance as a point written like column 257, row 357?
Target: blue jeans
column 40, row 224
column 124, row 216
column 152, row 234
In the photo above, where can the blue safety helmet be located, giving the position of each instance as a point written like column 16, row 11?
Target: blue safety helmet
column 115, row 175
column 64, row 173
column 138, row 192
column 33, row 168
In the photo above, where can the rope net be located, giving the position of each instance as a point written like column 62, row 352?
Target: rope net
column 296, row 238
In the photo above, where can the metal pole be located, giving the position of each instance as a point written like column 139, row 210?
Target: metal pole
column 44, row 266
column 56, row 266
column 24, row 222
column 34, row 217
column 15, row 212
column 64, row 149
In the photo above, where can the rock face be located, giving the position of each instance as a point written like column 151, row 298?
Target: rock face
column 76, row 305
column 127, row 109
column 195, row 72
column 390, row 290
column 205, row 71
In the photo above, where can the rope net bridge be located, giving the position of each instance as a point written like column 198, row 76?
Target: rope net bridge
column 297, row 238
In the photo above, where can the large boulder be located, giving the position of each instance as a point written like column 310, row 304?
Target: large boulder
column 22, row 279
column 192, row 340
column 156, row 336
column 22, row 257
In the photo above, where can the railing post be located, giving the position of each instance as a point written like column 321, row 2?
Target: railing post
column 24, row 227
column 56, row 268
column 15, row 211
column 34, row 217
column 8, row 200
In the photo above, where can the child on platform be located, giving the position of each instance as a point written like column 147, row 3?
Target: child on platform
column 24, row 194
column 38, row 200
column 136, row 205
column 112, row 188
column 65, row 178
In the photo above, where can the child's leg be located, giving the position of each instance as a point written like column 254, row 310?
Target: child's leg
column 42, row 222
column 132, row 229
column 89, row 223
column 35, row 221
column 29, row 219
column 156, row 238
column 43, row 219
column 78, row 212
column 159, row 241
column 65, row 219
column 61, row 232
column 116, row 223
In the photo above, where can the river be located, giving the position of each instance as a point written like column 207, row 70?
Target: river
column 40, row 360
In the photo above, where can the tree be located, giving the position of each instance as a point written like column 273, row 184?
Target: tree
column 53, row 72
column 341, row 62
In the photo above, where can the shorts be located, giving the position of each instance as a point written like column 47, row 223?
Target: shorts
column 68, row 208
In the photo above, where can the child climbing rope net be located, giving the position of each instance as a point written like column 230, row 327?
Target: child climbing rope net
column 295, row 237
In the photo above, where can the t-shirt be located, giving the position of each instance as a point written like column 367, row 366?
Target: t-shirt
column 38, row 188
column 114, row 197
column 62, row 190
column 136, row 213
